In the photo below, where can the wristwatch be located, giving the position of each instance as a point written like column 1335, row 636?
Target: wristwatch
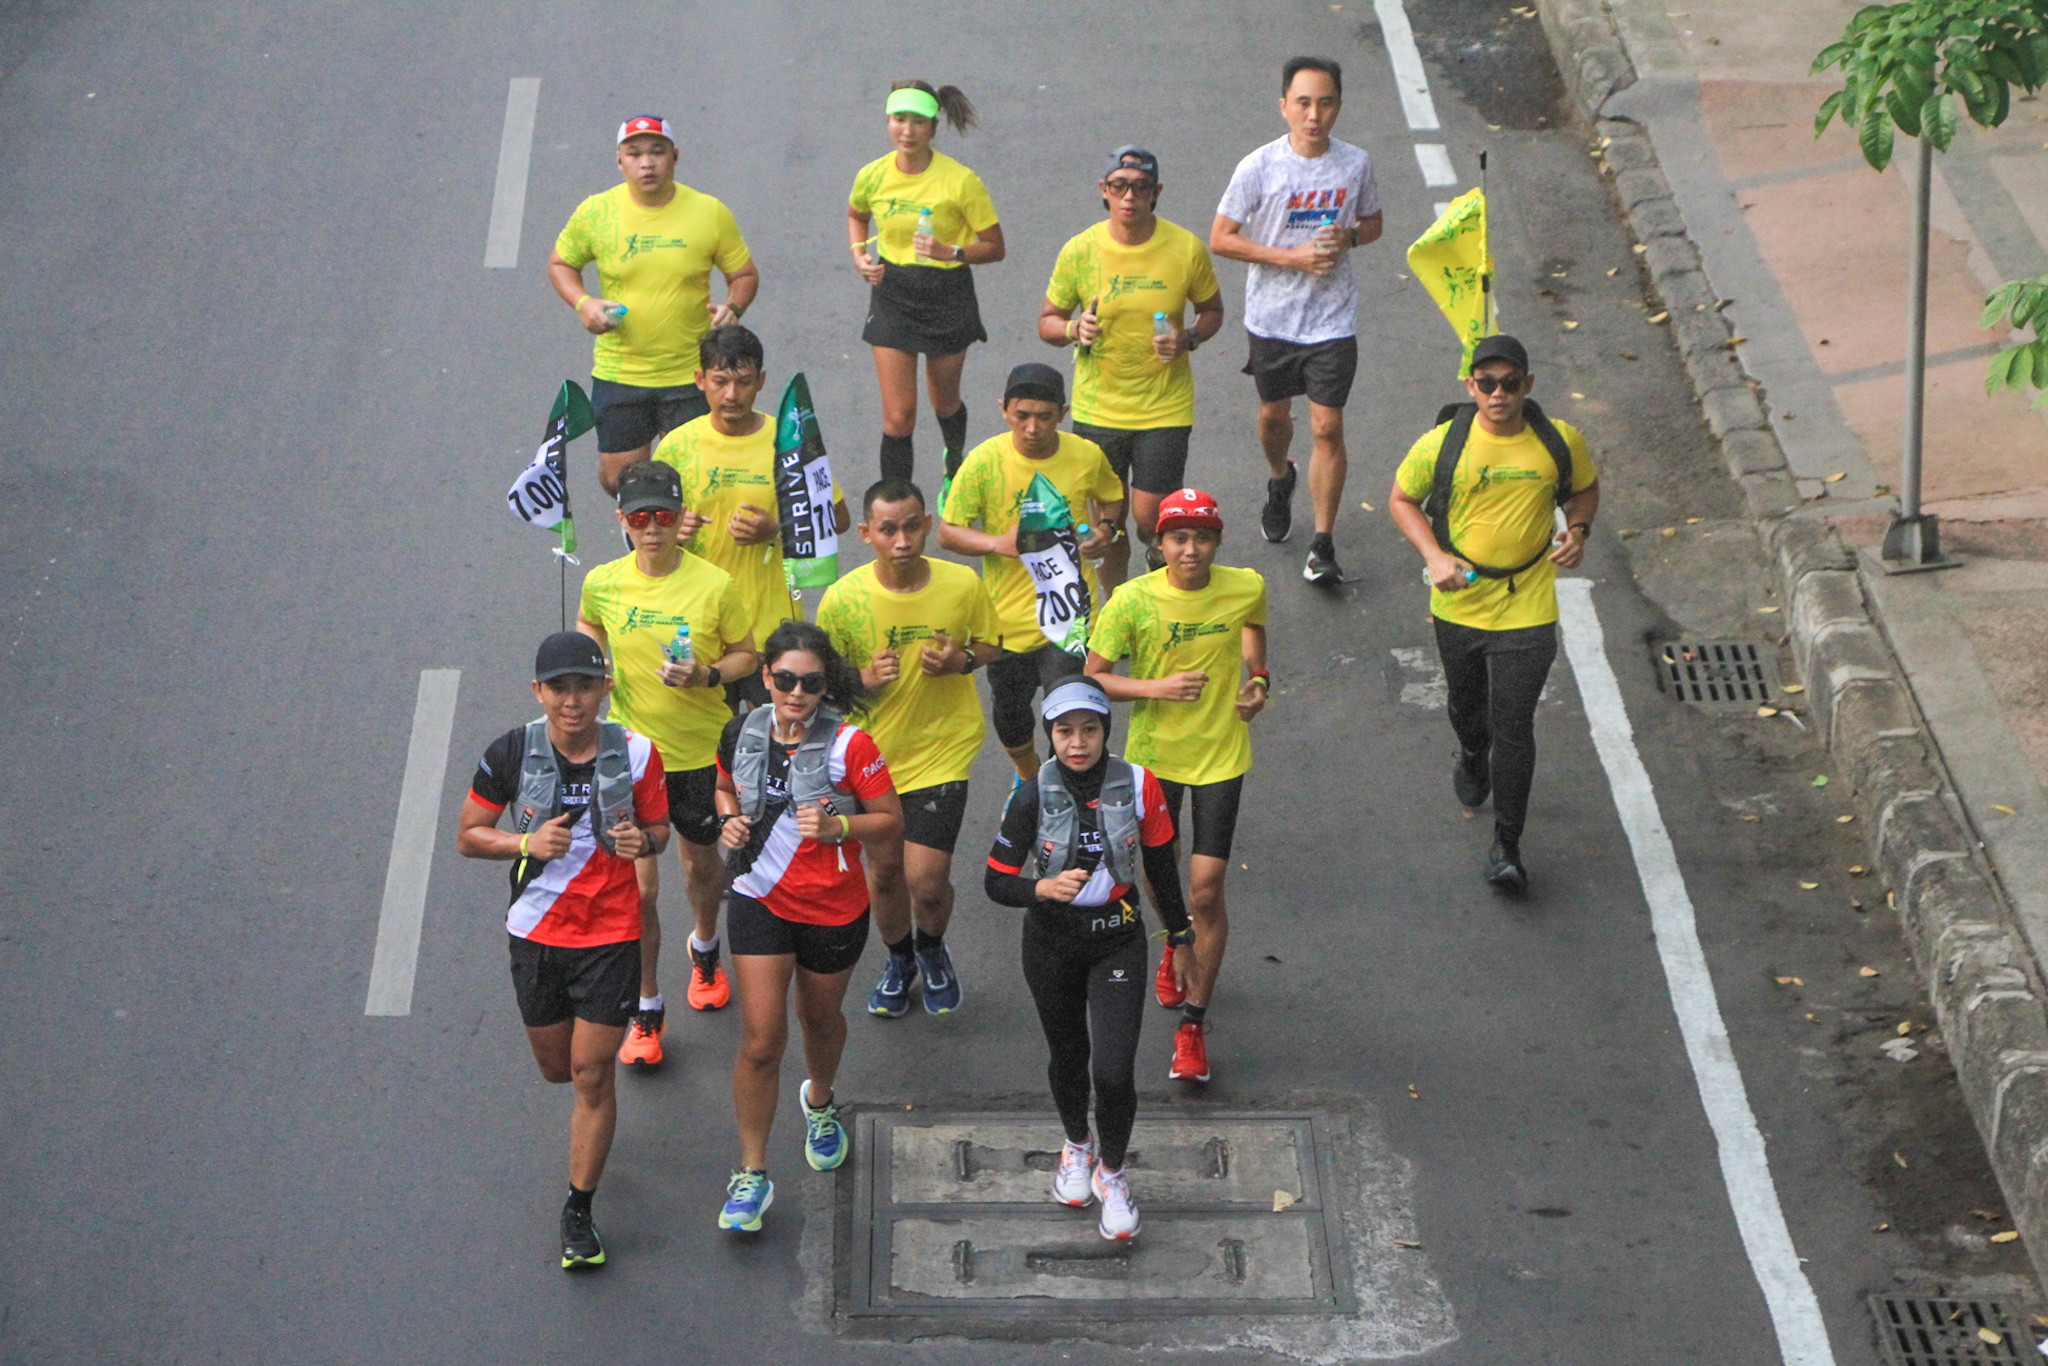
column 1586, row 527
column 1180, row 939
column 713, row 678
column 972, row 663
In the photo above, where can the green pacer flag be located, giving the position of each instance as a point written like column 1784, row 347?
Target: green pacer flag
column 803, row 491
column 1049, row 544
column 540, row 496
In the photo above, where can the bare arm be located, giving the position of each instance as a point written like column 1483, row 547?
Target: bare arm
column 985, row 250
column 1579, row 510
column 856, row 241
column 1180, row 687
column 841, row 518
column 568, row 282
column 739, row 660
column 1251, row 696
column 1227, row 239
column 1446, row 571
column 740, row 288
column 967, row 540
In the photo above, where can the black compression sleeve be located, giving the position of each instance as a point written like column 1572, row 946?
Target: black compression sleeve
column 1164, row 871
column 1013, row 849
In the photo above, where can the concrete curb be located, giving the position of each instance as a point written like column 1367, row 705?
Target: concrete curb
column 1980, row 977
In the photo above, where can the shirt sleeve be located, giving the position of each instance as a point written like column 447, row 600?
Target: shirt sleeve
column 981, row 615
column 731, row 252
column 964, row 499
column 867, row 772
column 650, row 790
column 1155, row 823
column 497, row 776
column 1011, row 852
column 1584, row 476
column 587, row 602
column 733, row 620
column 1104, row 486
column 1110, row 636
column 831, row 620
column 975, row 205
column 1202, row 285
column 1417, row 475
column 573, row 244
column 1064, row 290
column 864, row 184
column 1241, row 197
column 1257, row 615
column 1368, row 191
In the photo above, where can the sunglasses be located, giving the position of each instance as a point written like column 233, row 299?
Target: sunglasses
column 785, row 681
column 659, row 516
column 1509, row 384
column 1123, row 189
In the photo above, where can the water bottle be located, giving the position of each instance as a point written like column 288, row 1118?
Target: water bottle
column 678, row 649
column 924, row 223
column 616, row 312
column 1160, row 326
column 1471, row 576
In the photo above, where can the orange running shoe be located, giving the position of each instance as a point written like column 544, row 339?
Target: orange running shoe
column 1170, row 995
column 1190, row 1054
column 708, row 987
column 642, row 1047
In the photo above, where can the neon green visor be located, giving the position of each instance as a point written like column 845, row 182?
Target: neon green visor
column 911, row 100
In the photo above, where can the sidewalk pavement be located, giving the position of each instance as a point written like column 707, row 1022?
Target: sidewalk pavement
column 1706, row 112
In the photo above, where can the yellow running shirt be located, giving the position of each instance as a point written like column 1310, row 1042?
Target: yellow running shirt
column 640, row 615
column 1502, row 496
column 1119, row 382
column 929, row 729
column 657, row 262
column 719, row 473
column 958, row 200
column 1166, row 630
column 986, row 492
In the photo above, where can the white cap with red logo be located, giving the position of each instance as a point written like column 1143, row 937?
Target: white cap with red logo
column 641, row 124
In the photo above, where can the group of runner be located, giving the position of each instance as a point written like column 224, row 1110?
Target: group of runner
column 817, row 774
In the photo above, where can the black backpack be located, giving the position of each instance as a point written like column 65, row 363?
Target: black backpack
column 1438, row 504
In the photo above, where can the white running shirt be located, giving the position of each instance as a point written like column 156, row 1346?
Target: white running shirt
column 1281, row 198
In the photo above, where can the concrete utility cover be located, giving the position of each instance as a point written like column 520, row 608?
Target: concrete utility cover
column 954, row 1219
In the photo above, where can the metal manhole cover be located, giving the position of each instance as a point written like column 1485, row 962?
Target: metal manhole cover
column 1914, row 1330
column 1719, row 673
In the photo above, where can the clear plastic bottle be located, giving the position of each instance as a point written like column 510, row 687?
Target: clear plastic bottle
column 1160, row 326
column 616, row 312
column 924, row 224
column 677, row 651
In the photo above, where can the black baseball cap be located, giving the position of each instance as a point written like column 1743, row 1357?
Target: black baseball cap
column 567, row 653
column 1035, row 379
column 650, row 484
column 1131, row 157
column 1501, row 347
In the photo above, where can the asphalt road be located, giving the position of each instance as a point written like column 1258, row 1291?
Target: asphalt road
column 261, row 403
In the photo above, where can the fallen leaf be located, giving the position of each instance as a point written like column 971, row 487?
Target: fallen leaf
column 1879, row 1228
column 1790, row 982
column 1880, row 489
column 1639, row 248
column 1989, row 1216
column 1692, row 521
column 1244, row 865
column 1570, row 326
column 1986, row 1335
column 1410, row 1246
column 1629, row 534
column 1900, row 1158
column 1613, row 272
column 1628, row 355
column 1855, row 903
column 1898, row 1050
column 1281, row 1199
column 1905, row 1026
column 1891, row 900
column 1578, row 395
column 1793, row 687
column 1843, row 820
column 1813, row 1017
column 1669, row 531
column 1733, row 342
column 1413, row 1094
column 1751, row 817
column 1809, row 886
column 2003, row 810
column 1857, row 870
column 1766, row 711
column 1837, row 477
column 1820, row 780
column 2042, row 1320
column 1368, row 507
column 1866, row 972
column 1273, row 958
column 2007, row 1236
column 1770, row 609
column 1657, row 317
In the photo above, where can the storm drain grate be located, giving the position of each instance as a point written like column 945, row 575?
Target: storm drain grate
column 1914, row 1330
column 1718, row 673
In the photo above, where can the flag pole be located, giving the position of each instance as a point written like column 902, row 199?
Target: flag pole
column 1485, row 253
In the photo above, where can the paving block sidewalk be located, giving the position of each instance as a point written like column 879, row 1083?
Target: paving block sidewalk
column 1781, row 259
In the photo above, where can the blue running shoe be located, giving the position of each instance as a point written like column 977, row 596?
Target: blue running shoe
column 825, row 1145
column 891, row 997
column 747, row 1197
column 941, row 983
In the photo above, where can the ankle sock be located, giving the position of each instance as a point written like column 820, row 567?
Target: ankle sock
column 580, row 1200
column 899, row 456
column 700, row 946
column 902, row 947
column 927, row 941
column 653, row 1002
column 1193, row 1014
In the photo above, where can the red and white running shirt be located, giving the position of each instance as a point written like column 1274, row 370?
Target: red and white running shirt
column 800, row 879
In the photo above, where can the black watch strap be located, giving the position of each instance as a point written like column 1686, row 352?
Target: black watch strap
column 1180, row 939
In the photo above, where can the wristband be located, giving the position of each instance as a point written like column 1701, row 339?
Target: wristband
column 522, row 846
column 1261, row 677
column 1073, row 330
column 578, row 305
column 845, row 829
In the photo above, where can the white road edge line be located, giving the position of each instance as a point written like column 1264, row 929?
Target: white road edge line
column 412, row 845
column 1409, row 76
column 1435, row 160
column 1745, row 1168
column 515, row 152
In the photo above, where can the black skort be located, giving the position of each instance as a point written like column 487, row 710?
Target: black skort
column 1154, row 460
column 752, row 929
column 924, row 309
column 630, row 416
column 1322, row 370
column 600, row 984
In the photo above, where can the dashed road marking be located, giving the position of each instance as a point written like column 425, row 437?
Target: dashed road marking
column 515, row 152
column 1435, row 160
column 1409, row 77
column 412, row 845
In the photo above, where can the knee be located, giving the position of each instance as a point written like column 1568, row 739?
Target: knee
column 593, row 1081
column 762, row 1051
column 1328, row 424
column 1114, row 1092
column 885, row 873
column 1279, row 414
column 555, row 1073
column 930, row 891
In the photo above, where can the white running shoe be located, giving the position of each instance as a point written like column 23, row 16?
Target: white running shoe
column 1119, row 1211
column 1070, row 1183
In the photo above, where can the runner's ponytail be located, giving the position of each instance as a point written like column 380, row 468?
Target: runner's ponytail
column 953, row 103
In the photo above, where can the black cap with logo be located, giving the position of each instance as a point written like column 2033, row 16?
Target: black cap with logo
column 567, row 653
column 1501, row 347
column 650, row 484
column 1035, row 379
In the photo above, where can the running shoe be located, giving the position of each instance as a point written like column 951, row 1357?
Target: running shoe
column 825, row 1145
column 891, row 997
column 1504, row 867
column 1322, row 568
column 708, row 988
column 581, row 1248
column 642, row 1047
column 1278, row 517
column 941, row 983
column 1071, row 1184
column 1164, row 987
column 1119, row 1211
column 1190, row 1054
column 747, row 1197
column 1472, row 778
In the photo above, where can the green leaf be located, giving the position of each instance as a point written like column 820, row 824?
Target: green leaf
column 1905, row 111
column 1998, row 372
column 1876, row 136
column 1820, row 780
column 1938, row 121
column 1915, row 85
column 1828, row 107
column 1999, row 61
column 2000, row 302
column 2001, row 108
column 1920, row 53
column 1830, row 55
column 2033, row 54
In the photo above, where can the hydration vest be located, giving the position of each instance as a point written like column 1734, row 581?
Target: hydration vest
column 1438, row 504
column 540, row 782
column 1059, row 821
column 810, row 763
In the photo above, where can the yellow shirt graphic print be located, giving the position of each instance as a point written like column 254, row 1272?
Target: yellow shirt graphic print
column 1120, row 382
column 959, row 202
column 640, row 615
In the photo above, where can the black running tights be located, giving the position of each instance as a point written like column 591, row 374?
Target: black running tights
column 1495, row 679
column 1091, row 1001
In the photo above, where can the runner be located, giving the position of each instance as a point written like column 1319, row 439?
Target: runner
column 1134, row 390
column 727, row 462
column 646, row 607
column 1294, row 209
column 799, row 789
column 655, row 242
column 575, row 916
column 1478, row 495
column 932, row 219
column 916, row 628
column 1187, row 629
column 1078, row 827
column 980, row 518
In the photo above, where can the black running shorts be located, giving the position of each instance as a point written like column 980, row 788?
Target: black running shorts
column 1013, row 677
column 1322, row 370
column 752, row 929
column 1154, row 460
column 600, row 984
column 932, row 815
column 692, row 804
column 630, row 416
column 1215, row 813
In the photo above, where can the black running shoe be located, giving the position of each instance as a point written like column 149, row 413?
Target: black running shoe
column 1278, row 518
column 1322, row 568
column 1472, row 778
column 1504, row 867
column 581, row 1250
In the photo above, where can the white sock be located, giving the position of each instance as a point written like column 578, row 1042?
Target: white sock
column 701, row 947
column 651, row 1002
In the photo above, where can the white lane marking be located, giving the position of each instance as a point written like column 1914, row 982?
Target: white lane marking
column 1441, row 207
column 1409, row 77
column 412, row 845
column 1435, row 160
column 515, row 151
column 1745, row 1168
